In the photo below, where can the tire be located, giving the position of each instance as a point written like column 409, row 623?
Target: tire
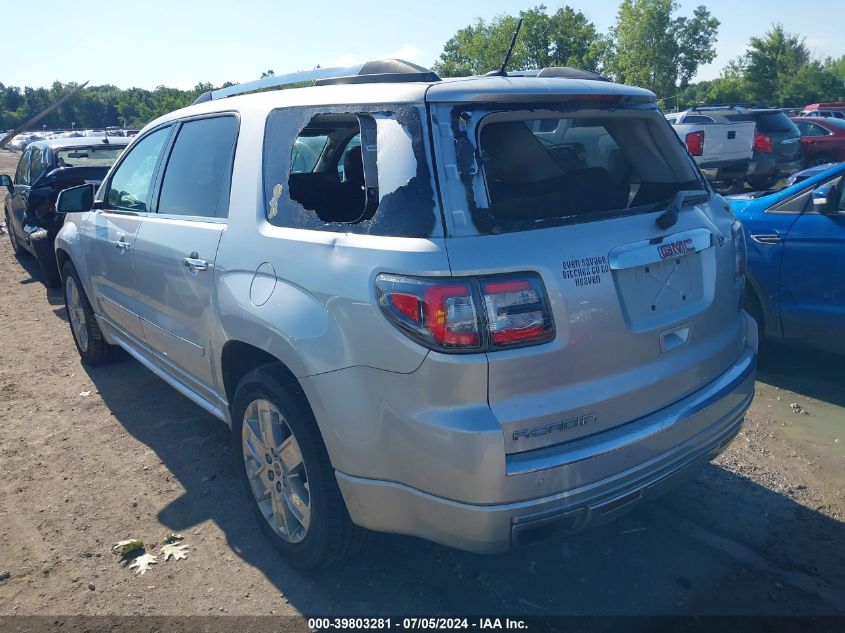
column 309, row 526
column 43, row 247
column 16, row 247
column 92, row 347
column 821, row 159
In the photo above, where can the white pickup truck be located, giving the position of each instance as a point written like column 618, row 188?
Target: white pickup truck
column 720, row 140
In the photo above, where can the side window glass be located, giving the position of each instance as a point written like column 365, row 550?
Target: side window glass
column 131, row 185
column 37, row 165
column 355, row 171
column 22, row 174
column 199, row 171
column 820, row 131
column 346, row 156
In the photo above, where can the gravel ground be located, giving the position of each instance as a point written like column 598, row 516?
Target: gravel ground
column 92, row 456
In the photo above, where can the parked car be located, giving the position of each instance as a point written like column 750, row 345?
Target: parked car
column 777, row 148
column 808, row 172
column 796, row 254
column 720, row 139
column 516, row 313
column 822, row 140
column 20, row 142
column 45, row 169
column 825, row 110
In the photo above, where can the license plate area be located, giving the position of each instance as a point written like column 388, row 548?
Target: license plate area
column 659, row 282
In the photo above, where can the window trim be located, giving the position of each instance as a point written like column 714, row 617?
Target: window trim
column 27, row 156
column 106, row 186
column 168, row 151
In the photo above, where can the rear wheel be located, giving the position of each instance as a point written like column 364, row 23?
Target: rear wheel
column 821, row 159
column 286, row 471
column 89, row 340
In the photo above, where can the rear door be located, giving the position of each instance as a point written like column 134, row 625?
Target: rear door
column 176, row 247
column 813, row 277
column 108, row 235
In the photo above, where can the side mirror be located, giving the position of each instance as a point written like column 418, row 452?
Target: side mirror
column 6, row 181
column 76, row 199
column 824, row 198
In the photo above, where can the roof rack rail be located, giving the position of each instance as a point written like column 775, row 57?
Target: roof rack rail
column 562, row 72
column 721, row 106
column 379, row 71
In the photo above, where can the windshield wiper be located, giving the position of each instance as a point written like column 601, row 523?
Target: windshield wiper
column 669, row 218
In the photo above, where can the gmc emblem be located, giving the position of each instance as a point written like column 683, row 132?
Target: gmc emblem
column 672, row 249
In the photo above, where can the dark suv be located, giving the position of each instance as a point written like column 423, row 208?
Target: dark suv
column 45, row 169
column 777, row 149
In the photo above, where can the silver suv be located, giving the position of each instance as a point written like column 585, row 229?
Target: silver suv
column 478, row 311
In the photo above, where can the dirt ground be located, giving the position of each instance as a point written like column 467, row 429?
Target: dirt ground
column 760, row 531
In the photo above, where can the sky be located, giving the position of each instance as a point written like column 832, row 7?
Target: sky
column 177, row 43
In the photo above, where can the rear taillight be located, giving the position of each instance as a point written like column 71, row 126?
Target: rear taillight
column 740, row 250
column 695, row 143
column 762, row 142
column 468, row 314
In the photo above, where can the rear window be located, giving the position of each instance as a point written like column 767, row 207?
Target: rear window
column 697, row 118
column 99, row 156
column 774, row 122
column 540, row 170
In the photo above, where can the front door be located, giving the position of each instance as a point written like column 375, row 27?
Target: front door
column 813, row 278
column 108, row 235
column 18, row 197
column 176, row 249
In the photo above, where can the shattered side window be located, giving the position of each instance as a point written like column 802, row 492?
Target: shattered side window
column 349, row 169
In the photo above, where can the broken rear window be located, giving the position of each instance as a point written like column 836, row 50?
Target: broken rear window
column 349, row 169
column 543, row 168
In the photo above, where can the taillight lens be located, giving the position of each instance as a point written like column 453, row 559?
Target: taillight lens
column 467, row 315
column 516, row 311
column 695, row 143
column 740, row 250
column 762, row 143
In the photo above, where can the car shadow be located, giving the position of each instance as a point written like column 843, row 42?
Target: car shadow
column 809, row 372
column 720, row 544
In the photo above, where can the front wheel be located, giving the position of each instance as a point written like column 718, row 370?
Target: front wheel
column 16, row 247
column 93, row 348
column 286, row 471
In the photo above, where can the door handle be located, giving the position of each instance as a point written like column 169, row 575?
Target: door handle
column 194, row 264
column 122, row 245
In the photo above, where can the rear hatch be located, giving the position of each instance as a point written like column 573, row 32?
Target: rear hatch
column 783, row 134
column 573, row 191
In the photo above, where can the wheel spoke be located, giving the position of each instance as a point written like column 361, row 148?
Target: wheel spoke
column 280, row 514
column 265, row 420
column 290, row 455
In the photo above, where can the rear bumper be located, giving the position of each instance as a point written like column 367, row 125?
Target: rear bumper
column 725, row 170
column 581, row 483
column 772, row 166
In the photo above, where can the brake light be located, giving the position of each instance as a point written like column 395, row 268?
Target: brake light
column 695, row 143
column 470, row 314
column 762, row 142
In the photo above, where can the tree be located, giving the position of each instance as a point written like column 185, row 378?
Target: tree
column 564, row 38
column 770, row 60
column 650, row 48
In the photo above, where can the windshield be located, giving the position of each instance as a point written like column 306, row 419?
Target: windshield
column 97, row 156
column 549, row 169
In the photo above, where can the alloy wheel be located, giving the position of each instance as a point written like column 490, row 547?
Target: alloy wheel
column 276, row 471
column 76, row 313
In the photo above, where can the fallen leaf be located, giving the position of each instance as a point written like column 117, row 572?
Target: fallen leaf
column 142, row 563
column 173, row 538
column 122, row 548
column 84, row 394
column 178, row 552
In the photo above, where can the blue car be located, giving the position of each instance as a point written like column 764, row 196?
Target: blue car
column 796, row 259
